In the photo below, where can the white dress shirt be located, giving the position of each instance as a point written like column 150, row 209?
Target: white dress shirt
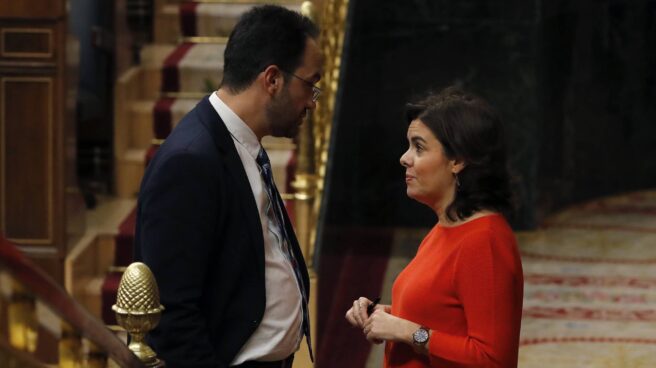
column 279, row 334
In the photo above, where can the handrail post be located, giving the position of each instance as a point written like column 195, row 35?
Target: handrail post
column 21, row 311
column 314, row 138
column 70, row 347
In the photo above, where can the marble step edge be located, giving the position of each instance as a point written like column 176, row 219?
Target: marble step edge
column 142, row 120
column 213, row 21
column 257, row 2
column 153, row 55
column 130, row 167
column 173, row 7
column 200, row 69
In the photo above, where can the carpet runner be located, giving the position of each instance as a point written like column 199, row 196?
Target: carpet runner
column 214, row 19
column 590, row 286
column 193, row 67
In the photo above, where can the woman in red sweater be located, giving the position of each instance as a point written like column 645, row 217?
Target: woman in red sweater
column 458, row 303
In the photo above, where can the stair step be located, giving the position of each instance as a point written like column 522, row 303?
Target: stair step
column 254, row 2
column 129, row 171
column 185, row 68
column 173, row 70
column 206, row 19
column 130, row 165
column 143, row 119
column 141, row 124
column 153, row 55
column 134, row 155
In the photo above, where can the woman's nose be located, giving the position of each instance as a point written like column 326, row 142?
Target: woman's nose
column 405, row 162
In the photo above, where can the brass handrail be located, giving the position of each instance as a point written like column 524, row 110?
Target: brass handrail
column 313, row 142
column 314, row 137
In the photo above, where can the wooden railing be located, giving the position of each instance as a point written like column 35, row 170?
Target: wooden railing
column 41, row 325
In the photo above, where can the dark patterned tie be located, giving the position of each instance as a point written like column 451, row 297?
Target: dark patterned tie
column 274, row 205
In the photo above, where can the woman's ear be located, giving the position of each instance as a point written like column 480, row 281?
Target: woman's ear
column 457, row 166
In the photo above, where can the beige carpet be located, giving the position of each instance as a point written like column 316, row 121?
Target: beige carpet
column 590, row 285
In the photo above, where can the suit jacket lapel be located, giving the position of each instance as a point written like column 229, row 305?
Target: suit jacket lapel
column 242, row 188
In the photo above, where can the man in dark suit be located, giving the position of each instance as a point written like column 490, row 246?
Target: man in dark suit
column 210, row 222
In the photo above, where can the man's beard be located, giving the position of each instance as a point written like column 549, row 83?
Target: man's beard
column 283, row 119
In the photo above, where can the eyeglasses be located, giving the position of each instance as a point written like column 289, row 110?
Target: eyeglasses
column 316, row 91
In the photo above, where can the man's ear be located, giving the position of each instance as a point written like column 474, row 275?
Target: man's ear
column 272, row 79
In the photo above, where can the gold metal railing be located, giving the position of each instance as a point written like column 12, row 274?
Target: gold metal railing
column 314, row 138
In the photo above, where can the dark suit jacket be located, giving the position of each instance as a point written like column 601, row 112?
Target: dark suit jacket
column 199, row 231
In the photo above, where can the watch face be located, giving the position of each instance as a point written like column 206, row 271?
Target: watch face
column 420, row 336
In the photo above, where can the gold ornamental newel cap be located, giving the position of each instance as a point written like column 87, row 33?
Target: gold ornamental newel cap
column 138, row 309
column 137, row 292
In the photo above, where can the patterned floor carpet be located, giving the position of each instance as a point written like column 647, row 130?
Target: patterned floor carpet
column 590, row 285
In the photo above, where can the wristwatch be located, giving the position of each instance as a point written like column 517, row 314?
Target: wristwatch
column 420, row 337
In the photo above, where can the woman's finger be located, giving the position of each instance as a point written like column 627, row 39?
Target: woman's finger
column 349, row 317
column 363, row 304
column 357, row 315
column 366, row 326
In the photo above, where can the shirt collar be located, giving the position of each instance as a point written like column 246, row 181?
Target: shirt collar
column 241, row 132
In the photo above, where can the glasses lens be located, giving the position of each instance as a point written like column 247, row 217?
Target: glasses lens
column 315, row 94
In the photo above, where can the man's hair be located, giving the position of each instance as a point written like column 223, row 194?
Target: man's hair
column 265, row 35
column 470, row 131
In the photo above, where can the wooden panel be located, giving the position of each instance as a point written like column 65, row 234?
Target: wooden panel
column 123, row 48
column 40, row 206
column 32, row 8
column 46, row 258
column 26, row 42
column 26, row 159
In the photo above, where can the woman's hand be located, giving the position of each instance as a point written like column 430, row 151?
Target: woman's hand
column 382, row 326
column 357, row 315
column 384, row 307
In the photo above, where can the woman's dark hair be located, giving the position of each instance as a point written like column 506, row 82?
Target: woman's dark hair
column 265, row 35
column 470, row 131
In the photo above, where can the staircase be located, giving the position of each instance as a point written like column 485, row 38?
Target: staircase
column 183, row 64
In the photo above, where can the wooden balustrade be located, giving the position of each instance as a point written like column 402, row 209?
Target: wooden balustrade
column 34, row 308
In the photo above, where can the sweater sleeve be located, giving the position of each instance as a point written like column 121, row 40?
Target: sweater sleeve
column 489, row 287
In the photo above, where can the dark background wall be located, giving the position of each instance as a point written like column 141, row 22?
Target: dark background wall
column 597, row 100
column 575, row 82
column 91, row 21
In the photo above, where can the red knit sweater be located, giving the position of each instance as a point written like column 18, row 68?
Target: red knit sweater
column 466, row 285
